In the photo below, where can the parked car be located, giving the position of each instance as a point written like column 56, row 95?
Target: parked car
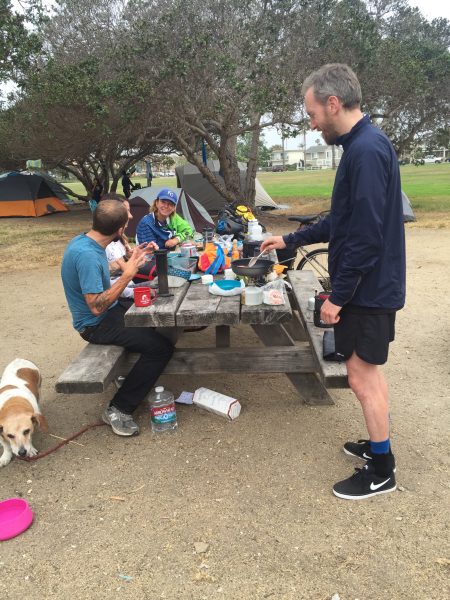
column 277, row 169
column 430, row 158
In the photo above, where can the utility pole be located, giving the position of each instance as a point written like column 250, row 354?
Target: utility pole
column 304, row 149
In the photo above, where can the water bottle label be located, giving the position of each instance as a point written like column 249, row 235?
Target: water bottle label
column 163, row 414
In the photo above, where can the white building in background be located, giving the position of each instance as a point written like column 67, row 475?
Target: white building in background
column 317, row 157
column 321, row 157
column 291, row 157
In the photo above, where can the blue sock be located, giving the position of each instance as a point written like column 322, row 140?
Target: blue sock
column 380, row 447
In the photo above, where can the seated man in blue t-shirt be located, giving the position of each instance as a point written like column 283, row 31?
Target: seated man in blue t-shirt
column 99, row 317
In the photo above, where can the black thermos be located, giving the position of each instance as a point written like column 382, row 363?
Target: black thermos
column 319, row 299
column 161, row 270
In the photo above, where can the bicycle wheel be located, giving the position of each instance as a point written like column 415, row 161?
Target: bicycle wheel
column 317, row 261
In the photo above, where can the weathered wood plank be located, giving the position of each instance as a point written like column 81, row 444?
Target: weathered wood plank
column 304, row 284
column 160, row 314
column 295, row 328
column 197, row 361
column 265, row 314
column 92, row 370
column 200, row 308
column 96, row 366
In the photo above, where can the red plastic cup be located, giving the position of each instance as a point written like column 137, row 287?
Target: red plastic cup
column 143, row 296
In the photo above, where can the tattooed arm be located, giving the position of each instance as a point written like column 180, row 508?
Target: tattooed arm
column 99, row 303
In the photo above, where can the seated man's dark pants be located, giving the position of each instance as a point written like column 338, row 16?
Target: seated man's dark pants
column 155, row 351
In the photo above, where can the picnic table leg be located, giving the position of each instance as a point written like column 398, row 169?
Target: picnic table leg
column 222, row 336
column 295, row 328
column 308, row 385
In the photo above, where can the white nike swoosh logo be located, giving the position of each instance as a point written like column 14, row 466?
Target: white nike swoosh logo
column 375, row 486
column 365, row 456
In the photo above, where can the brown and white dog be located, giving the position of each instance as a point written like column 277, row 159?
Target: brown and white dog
column 19, row 409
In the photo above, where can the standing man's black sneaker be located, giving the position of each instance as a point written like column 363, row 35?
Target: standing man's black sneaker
column 364, row 484
column 360, row 449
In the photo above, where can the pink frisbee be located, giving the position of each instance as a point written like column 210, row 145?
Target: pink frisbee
column 15, row 517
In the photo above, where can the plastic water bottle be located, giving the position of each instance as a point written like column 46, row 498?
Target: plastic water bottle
column 162, row 410
column 250, row 225
column 257, row 233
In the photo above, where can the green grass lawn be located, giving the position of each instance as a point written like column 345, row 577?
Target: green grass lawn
column 78, row 188
column 427, row 186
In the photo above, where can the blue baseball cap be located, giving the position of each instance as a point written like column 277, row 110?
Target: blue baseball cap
column 167, row 194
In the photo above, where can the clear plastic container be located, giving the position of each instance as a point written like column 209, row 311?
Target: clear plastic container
column 163, row 413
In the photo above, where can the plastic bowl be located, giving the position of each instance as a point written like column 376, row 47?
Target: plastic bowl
column 227, row 284
column 15, row 517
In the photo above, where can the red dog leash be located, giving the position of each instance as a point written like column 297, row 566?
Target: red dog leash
column 63, row 443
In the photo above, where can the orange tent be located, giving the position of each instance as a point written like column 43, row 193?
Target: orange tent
column 27, row 196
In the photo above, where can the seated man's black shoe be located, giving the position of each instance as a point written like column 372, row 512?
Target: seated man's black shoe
column 364, row 484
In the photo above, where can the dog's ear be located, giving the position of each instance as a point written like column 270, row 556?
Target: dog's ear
column 41, row 421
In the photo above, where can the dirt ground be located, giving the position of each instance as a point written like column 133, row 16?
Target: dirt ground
column 119, row 518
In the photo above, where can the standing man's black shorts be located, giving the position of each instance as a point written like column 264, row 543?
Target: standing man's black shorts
column 365, row 331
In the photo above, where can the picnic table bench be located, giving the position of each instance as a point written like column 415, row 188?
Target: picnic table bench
column 292, row 345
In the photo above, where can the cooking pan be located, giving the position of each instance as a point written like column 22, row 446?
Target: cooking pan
column 261, row 267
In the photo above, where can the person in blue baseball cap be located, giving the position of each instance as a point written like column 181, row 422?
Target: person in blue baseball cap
column 163, row 225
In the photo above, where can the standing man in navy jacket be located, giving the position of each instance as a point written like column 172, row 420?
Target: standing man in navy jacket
column 366, row 239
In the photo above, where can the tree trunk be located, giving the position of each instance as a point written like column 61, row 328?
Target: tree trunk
column 250, row 189
column 229, row 168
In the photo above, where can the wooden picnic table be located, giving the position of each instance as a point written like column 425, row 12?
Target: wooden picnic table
column 292, row 345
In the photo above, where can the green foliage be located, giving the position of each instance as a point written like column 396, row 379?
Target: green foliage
column 243, row 150
column 20, row 41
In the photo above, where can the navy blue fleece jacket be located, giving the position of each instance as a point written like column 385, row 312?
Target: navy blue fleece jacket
column 365, row 227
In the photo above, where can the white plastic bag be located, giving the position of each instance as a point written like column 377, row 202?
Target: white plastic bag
column 274, row 292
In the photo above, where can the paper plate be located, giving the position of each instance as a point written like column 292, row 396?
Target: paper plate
column 15, row 517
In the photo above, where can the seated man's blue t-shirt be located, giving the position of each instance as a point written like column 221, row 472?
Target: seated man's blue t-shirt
column 84, row 270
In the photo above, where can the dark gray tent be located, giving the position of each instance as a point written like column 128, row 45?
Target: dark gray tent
column 408, row 214
column 194, row 183
column 56, row 188
column 190, row 209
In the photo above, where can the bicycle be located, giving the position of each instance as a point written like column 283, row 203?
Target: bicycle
column 315, row 260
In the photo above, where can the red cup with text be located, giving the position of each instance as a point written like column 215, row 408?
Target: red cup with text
column 143, row 296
